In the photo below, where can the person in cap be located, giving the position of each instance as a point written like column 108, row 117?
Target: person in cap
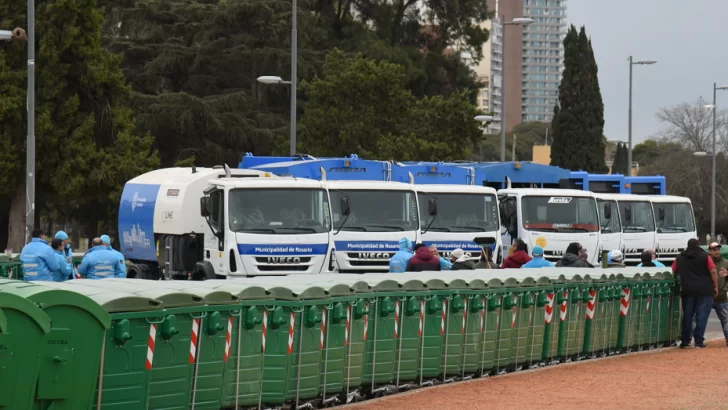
column 66, row 267
column 39, row 261
column 653, row 259
column 720, row 301
column 398, row 263
column 538, row 261
column 698, row 278
column 67, row 250
column 460, row 260
column 100, row 263
column 445, row 264
column 571, row 257
column 423, row 261
column 106, row 241
column 616, row 259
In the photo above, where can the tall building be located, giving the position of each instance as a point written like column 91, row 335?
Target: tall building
column 543, row 58
column 534, row 58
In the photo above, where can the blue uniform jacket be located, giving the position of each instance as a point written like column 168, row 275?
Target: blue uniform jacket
column 538, row 262
column 39, row 261
column 656, row 262
column 100, row 263
column 66, row 268
column 122, row 260
column 445, row 264
column 398, row 263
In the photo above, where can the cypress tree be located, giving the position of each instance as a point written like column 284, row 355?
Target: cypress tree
column 578, row 123
column 619, row 158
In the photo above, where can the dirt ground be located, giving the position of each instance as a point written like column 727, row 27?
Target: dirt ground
column 666, row 379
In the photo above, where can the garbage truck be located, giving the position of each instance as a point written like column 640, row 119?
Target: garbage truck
column 202, row 223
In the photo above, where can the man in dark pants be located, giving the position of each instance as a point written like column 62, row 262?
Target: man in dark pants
column 699, row 284
column 720, row 303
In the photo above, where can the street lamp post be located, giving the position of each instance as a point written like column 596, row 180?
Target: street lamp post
column 294, row 74
column 519, row 21
column 714, row 107
column 483, row 119
column 629, row 150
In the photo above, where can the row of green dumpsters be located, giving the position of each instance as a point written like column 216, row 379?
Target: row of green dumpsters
column 312, row 340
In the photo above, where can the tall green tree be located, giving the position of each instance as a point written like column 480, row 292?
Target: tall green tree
column 362, row 106
column 86, row 145
column 578, row 123
column 620, row 160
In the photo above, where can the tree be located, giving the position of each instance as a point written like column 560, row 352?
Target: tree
column 620, row 165
column 362, row 106
column 85, row 140
column 578, row 122
column 649, row 151
column 691, row 126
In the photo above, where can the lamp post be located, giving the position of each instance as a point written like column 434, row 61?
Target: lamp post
column 713, row 176
column 629, row 150
column 483, row 119
column 294, row 76
column 519, row 21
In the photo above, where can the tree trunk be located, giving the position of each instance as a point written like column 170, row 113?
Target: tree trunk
column 16, row 225
column 4, row 221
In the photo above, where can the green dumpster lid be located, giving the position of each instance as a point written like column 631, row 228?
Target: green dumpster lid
column 210, row 296
column 111, row 300
column 637, row 277
column 171, row 298
column 3, row 322
column 477, row 283
column 382, row 283
column 543, row 281
column 242, row 289
column 495, row 283
column 46, row 297
column 575, row 279
column 12, row 301
column 334, row 289
column 511, row 283
column 529, row 281
column 356, row 282
column 295, row 291
column 436, row 284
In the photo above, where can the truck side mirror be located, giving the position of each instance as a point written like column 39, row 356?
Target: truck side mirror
column 628, row 213
column 205, row 206
column 608, row 211
column 432, row 206
column 345, row 205
column 661, row 213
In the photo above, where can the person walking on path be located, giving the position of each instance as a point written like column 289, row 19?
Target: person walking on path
column 538, row 261
column 698, row 286
column 720, row 302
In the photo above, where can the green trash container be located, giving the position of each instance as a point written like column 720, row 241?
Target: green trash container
column 636, row 313
column 510, row 332
column 214, row 342
column 177, row 341
column 71, row 356
column 242, row 373
column 571, row 329
column 11, row 269
column 23, row 332
column 291, row 369
column 675, row 309
column 662, row 303
column 492, row 326
column 475, row 315
column 556, row 329
column 602, row 317
column 541, row 301
column 648, row 332
column 335, row 321
column 129, row 345
column 381, row 346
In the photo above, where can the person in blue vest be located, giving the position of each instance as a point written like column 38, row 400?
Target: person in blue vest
column 39, row 260
column 398, row 263
column 67, row 250
column 66, row 267
column 100, row 263
column 538, row 261
column 653, row 259
column 106, row 241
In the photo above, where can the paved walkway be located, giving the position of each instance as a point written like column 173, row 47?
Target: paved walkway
column 661, row 379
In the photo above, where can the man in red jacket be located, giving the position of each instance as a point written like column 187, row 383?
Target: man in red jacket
column 423, row 261
column 519, row 257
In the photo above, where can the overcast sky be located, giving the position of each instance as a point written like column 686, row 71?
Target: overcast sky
column 687, row 38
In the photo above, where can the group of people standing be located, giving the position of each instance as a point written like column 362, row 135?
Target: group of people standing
column 54, row 262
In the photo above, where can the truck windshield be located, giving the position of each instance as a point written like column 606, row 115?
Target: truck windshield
column 609, row 225
column 376, row 210
column 678, row 217
column 281, row 211
column 641, row 218
column 459, row 212
column 559, row 214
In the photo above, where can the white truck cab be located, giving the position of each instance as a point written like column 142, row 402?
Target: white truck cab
column 199, row 223
column 610, row 225
column 638, row 225
column 550, row 218
column 381, row 213
column 464, row 213
column 675, row 221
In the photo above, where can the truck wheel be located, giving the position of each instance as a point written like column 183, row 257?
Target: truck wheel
column 202, row 275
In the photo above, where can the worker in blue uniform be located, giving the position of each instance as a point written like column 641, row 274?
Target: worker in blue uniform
column 398, row 263
column 106, row 241
column 66, row 267
column 39, row 260
column 100, row 263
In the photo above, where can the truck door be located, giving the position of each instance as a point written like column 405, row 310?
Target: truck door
column 215, row 237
